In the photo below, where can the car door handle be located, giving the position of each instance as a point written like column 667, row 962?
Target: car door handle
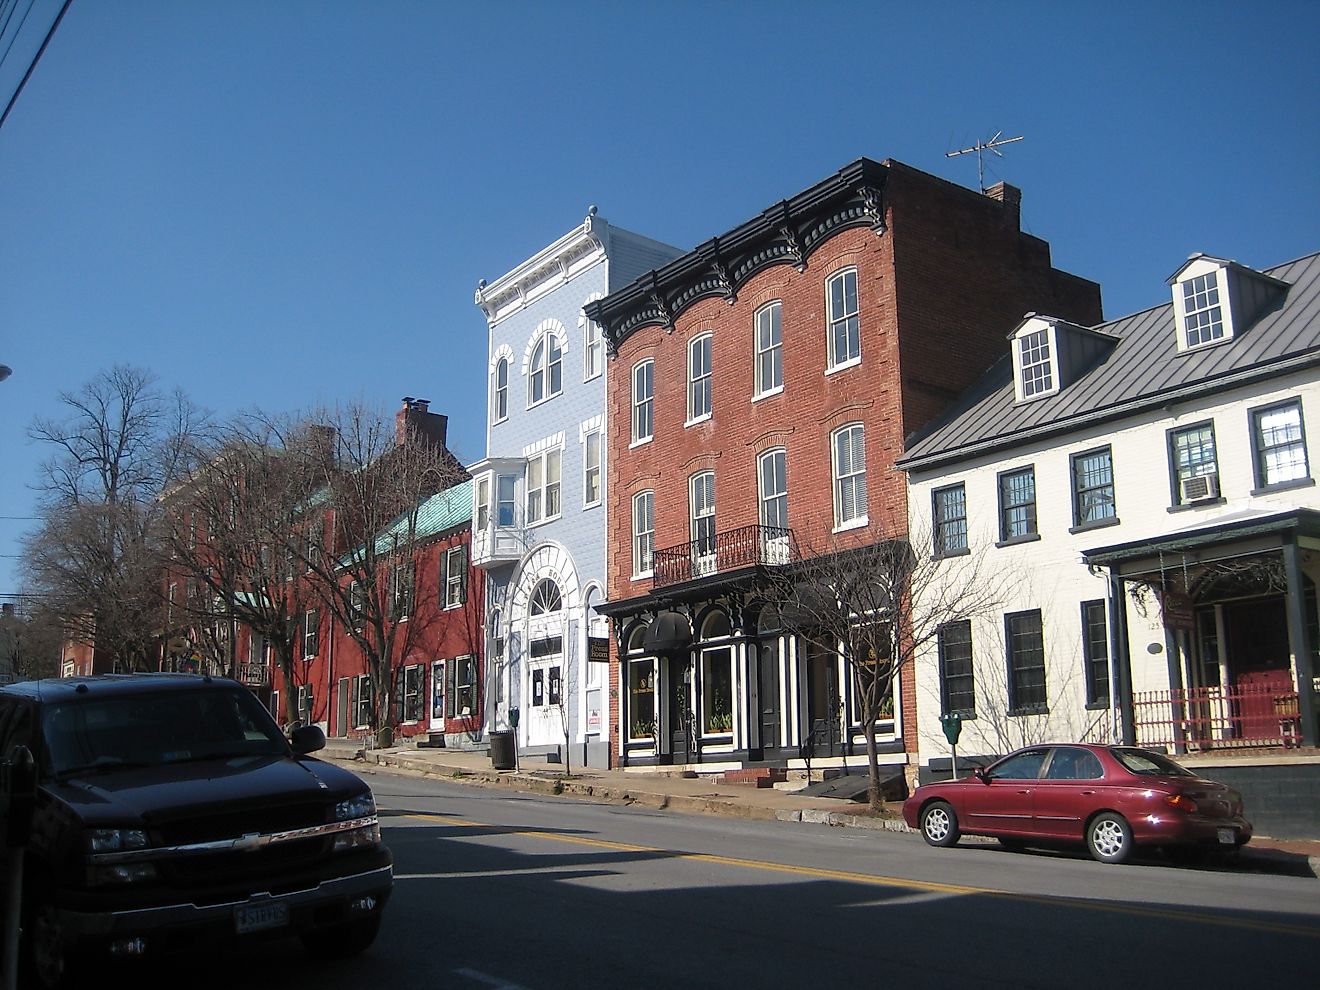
column 1087, row 793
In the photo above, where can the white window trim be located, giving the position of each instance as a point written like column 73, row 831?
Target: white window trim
column 693, row 420
column 598, row 432
column 831, row 365
column 759, row 393
column 495, row 389
column 450, row 553
column 635, row 405
column 1052, row 342
column 835, row 477
column 638, row 575
column 585, row 324
column 544, row 457
column 1192, row 271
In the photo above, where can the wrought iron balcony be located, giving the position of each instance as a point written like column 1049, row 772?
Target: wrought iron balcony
column 728, row 551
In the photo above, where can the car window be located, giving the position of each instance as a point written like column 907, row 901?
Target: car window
column 156, row 728
column 1019, row 766
column 1150, row 764
column 1070, row 763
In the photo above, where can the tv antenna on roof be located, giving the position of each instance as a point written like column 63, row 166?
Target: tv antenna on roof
column 981, row 147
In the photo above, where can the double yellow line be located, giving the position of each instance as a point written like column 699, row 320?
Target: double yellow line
column 925, row 886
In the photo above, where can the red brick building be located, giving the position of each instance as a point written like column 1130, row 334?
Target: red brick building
column 761, row 388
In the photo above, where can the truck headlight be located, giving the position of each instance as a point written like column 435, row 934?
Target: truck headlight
column 359, row 806
column 105, row 840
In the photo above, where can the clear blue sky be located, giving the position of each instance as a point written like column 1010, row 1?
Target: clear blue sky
column 279, row 203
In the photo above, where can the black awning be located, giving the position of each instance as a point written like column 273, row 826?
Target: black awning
column 669, row 633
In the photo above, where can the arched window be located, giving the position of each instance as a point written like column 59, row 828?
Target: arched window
column 643, row 396
column 500, row 405
column 641, row 724
column 699, row 378
column 545, row 378
column 546, row 598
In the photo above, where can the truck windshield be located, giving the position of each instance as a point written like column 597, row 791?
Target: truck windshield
column 152, row 729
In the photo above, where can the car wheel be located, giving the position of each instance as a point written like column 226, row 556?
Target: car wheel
column 1013, row 845
column 342, row 941
column 1109, row 837
column 939, row 824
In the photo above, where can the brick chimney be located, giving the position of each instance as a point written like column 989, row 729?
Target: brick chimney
column 1011, row 197
column 416, row 417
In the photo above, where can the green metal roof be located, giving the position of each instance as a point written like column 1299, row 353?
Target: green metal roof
column 442, row 511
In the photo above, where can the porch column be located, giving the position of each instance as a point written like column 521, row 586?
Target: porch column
column 1173, row 657
column 1120, row 658
column 1299, row 640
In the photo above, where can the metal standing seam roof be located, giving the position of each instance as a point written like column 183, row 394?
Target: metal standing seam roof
column 1144, row 369
column 443, row 511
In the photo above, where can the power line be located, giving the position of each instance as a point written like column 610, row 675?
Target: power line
column 18, row 30
column 35, row 58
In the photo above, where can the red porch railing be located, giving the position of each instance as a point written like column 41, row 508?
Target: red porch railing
column 1242, row 716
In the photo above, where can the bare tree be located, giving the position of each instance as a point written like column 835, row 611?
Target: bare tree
column 877, row 607
column 240, row 530
column 93, row 559
column 30, row 643
column 372, row 489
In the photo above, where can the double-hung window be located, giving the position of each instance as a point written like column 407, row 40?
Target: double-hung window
column 483, row 504
column 414, row 678
column 593, row 351
column 1279, row 444
column 957, row 679
column 1026, row 662
column 1203, row 318
column 1095, row 653
column 1017, row 504
column 773, row 483
column 701, row 505
column 455, row 576
column 401, row 590
column 950, row 518
column 1093, row 487
column 845, row 345
column 1034, row 360
column 506, row 486
column 543, row 486
column 643, row 533
column 699, row 378
column 591, row 469
column 362, row 701
column 643, row 397
column 311, row 632
column 848, row 454
column 464, row 695
column 500, row 400
column 769, row 349
column 1195, row 465
column 546, row 369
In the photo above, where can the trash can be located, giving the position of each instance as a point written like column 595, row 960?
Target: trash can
column 503, row 750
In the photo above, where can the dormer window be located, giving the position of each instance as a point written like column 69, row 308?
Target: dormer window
column 1035, row 360
column 1037, row 367
column 1203, row 318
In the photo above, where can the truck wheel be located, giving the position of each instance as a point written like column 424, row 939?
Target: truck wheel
column 342, row 941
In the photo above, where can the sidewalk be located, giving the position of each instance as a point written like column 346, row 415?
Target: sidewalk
column 709, row 795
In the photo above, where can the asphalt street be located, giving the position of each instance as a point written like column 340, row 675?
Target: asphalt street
column 527, row 892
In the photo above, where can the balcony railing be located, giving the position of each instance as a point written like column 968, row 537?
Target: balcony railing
column 727, row 551
column 1241, row 716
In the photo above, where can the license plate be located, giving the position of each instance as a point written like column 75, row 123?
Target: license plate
column 257, row 917
column 1227, row 837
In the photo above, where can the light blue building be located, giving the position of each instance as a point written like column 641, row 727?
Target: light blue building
column 538, row 497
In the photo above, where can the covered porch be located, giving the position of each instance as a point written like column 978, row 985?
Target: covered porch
column 1231, row 607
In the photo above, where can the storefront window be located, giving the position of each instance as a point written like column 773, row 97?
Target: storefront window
column 717, row 691
column 641, row 699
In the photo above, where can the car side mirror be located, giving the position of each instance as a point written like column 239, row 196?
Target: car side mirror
column 307, row 739
column 980, row 774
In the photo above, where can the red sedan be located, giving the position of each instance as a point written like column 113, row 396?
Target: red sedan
column 1112, row 798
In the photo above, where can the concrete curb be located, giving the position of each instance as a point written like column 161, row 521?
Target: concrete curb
column 1258, row 860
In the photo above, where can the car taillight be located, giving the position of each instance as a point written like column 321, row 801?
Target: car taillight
column 1181, row 802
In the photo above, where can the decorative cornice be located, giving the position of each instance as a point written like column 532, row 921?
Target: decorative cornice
column 786, row 234
column 544, row 271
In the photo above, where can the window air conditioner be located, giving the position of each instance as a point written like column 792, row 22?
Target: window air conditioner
column 1201, row 487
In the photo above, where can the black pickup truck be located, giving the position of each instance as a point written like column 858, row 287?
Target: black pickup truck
column 171, row 814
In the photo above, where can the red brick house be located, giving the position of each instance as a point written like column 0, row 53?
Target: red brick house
column 761, row 388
